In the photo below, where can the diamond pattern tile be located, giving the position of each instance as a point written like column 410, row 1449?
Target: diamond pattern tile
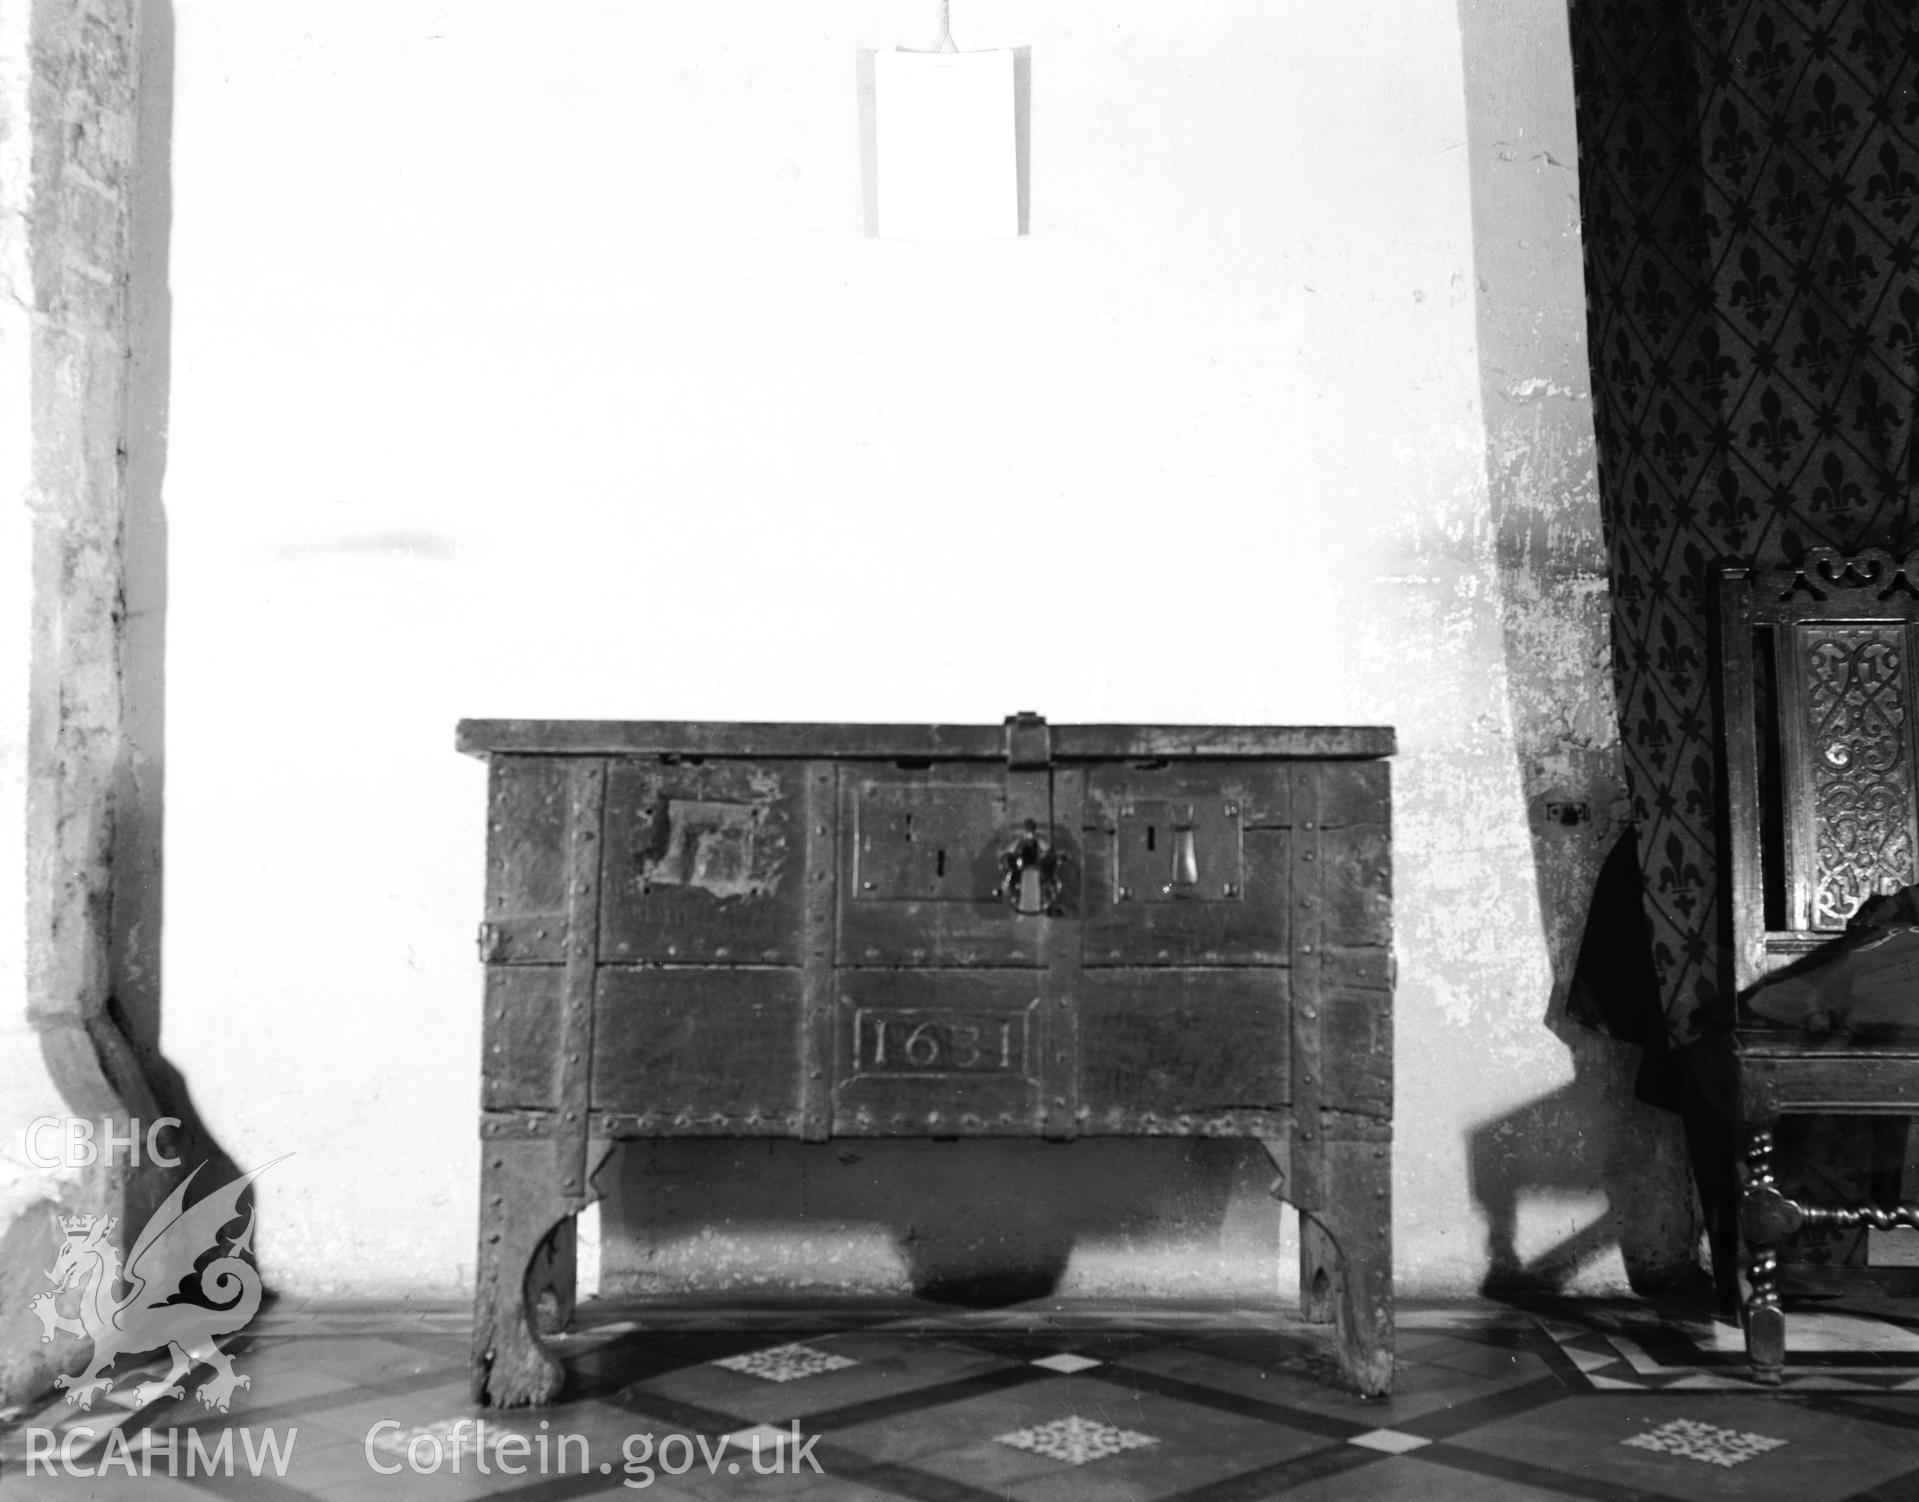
column 1704, row 1442
column 1066, row 1361
column 787, row 1363
column 765, row 1435
column 1076, row 1440
column 1388, row 1441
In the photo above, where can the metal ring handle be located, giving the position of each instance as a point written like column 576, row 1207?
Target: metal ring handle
column 1031, row 884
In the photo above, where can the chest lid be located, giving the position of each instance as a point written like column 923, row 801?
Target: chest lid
column 1024, row 741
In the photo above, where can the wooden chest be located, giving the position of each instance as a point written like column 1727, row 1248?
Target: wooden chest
column 821, row 931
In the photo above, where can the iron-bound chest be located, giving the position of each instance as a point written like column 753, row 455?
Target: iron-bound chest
column 862, row 930
column 866, row 930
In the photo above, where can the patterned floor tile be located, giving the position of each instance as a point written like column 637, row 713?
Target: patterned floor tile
column 876, row 1368
column 976, row 1420
column 1822, row 1457
column 1075, row 1440
column 1704, row 1442
column 1598, row 1399
column 787, row 1363
column 1194, row 1444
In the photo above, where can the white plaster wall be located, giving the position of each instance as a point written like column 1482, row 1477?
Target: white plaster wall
column 529, row 361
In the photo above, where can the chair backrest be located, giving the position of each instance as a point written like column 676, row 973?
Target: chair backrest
column 1817, row 708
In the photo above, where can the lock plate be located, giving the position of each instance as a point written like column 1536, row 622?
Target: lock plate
column 929, row 843
column 1179, row 850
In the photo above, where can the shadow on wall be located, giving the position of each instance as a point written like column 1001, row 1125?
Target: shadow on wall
column 1590, row 1140
column 978, row 1223
column 1561, row 1154
column 1594, row 1138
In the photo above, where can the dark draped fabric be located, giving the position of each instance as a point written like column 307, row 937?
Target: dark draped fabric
column 1749, row 186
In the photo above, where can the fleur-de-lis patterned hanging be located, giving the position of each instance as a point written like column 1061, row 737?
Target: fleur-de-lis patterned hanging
column 1749, row 184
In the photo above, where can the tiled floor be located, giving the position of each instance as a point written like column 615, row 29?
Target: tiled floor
column 1615, row 1401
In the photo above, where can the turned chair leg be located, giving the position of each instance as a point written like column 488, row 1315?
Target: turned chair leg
column 1761, row 1232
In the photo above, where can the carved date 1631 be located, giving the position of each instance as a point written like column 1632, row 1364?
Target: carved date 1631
column 919, row 1041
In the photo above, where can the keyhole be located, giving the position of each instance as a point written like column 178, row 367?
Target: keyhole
column 909, row 829
column 939, row 864
column 1152, row 838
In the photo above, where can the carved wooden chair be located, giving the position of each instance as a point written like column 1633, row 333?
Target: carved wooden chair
column 1814, row 670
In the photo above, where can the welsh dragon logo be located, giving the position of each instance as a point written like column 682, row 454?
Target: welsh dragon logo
column 152, row 1312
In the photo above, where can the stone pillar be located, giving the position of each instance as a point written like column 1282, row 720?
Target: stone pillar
column 1555, row 612
column 68, row 91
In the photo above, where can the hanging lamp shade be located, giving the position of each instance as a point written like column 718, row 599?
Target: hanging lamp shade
column 946, row 156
